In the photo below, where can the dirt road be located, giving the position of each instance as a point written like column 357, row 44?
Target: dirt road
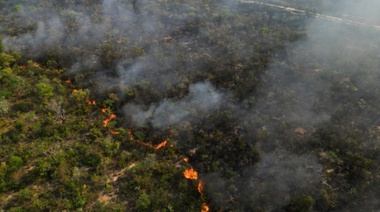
column 317, row 15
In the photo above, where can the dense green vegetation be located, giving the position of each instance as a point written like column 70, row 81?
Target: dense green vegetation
column 56, row 153
column 291, row 120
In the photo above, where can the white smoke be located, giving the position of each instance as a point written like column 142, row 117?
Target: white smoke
column 202, row 99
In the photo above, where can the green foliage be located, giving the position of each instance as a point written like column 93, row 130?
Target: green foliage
column 79, row 201
column 143, row 201
column 9, row 82
column 15, row 162
column 67, row 161
column 300, row 203
column 19, row 125
column 4, row 106
column 43, row 166
column 25, row 194
column 92, row 159
column 112, row 99
column 45, row 90
column 108, row 55
column 18, row 7
column 6, row 60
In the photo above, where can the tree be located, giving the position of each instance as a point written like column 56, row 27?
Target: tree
column 6, row 59
column 45, row 90
column 4, row 106
column 15, row 162
column 143, row 201
column 301, row 203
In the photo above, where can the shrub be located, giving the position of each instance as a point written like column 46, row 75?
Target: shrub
column 45, row 90
column 15, row 162
column 143, row 201
column 4, row 106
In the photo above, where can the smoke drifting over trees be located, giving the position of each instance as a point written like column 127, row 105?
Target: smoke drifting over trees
column 277, row 111
column 201, row 99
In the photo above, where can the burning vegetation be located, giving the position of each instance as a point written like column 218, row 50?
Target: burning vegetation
column 200, row 186
column 91, row 102
column 160, row 145
column 190, row 174
column 107, row 120
column 205, row 208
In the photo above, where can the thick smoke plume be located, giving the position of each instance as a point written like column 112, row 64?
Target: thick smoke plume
column 202, row 99
column 302, row 95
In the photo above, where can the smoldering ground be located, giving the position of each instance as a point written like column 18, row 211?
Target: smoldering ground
column 313, row 84
column 270, row 185
column 302, row 92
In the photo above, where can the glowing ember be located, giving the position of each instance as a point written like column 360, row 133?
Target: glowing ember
column 91, row 102
column 205, row 208
column 162, row 144
column 186, row 160
column 75, row 90
column 200, row 186
column 115, row 132
column 143, row 143
column 190, row 174
column 131, row 137
column 104, row 109
column 105, row 122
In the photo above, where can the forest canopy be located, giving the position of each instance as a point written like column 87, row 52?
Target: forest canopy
column 110, row 105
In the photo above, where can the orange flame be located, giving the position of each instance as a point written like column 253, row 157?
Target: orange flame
column 190, row 174
column 104, row 109
column 186, row 159
column 91, row 102
column 105, row 122
column 201, row 186
column 115, row 132
column 205, row 208
column 75, row 90
column 162, row 144
column 129, row 132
